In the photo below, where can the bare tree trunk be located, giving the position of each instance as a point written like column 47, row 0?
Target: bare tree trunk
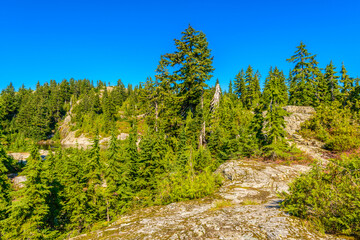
column 202, row 141
column 156, row 116
column 107, row 210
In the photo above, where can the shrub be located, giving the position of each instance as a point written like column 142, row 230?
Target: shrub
column 334, row 125
column 329, row 197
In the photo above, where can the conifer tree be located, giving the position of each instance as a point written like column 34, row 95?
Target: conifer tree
column 254, row 134
column 76, row 211
column 132, row 155
column 275, row 96
column 347, row 85
column 275, row 88
column 256, row 89
column 28, row 214
column 332, row 82
column 301, row 90
column 275, row 144
column 181, row 158
column 230, row 87
column 117, row 192
column 5, row 186
column 193, row 64
column 240, row 89
column 249, row 79
column 95, row 180
column 251, row 85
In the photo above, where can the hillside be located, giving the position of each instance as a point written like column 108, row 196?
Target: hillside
column 245, row 207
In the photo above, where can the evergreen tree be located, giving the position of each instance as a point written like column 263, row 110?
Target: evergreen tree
column 28, row 214
column 301, row 90
column 193, row 64
column 5, row 186
column 132, row 156
column 240, row 89
column 230, row 87
column 117, row 192
column 332, row 82
column 95, row 180
column 275, row 88
column 275, row 144
column 347, row 85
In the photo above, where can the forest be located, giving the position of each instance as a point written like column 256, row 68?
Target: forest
column 180, row 131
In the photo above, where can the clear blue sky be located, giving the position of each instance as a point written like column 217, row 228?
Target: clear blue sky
column 107, row 40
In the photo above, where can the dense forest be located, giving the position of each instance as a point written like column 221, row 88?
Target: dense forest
column 180, row 130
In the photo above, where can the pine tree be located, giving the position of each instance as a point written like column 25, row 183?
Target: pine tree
column 193, row 64
column 240, row 89
column 256, row 89
column 332, row 82
column 275, row 96
column 132, row 156
column 251, row 94
column 28, row 214
column 275, row 88
column 275, row 144
column 301, row 90
column 249, row 79
column 9, row 98
column 347, row 87
column 95, row 180
column 117, row 192
column 76, row 212
column 230, row 88
column 254, row 134
column 5, row 185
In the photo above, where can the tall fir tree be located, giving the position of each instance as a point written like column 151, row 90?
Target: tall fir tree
column 275, row 88
column 5, row 186
column 239, row 83
column 29, row 213
column 347, row 85
column 301, row 89
column 192, row 62
column 332, row 82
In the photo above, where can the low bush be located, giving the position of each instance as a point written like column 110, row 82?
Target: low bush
column 334, row 125
column 329, row 197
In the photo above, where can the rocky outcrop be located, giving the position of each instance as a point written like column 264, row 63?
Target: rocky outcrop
column 23, row 156
column 80, row 142
column 18, row 181
column 69, row 138
column 298, row 115
column 311, row 147
column 245, row 207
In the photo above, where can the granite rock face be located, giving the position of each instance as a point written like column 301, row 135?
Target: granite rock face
column 298, row 115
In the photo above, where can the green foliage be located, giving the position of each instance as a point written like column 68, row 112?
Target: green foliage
column 329, row 197
column 188, row 183
column 301, row 89
column 29, row 213
column 5, row 185
column 335, row 126
column 182, row 76
column 275, row 88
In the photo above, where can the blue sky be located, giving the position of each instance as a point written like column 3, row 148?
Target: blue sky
column 109, row 40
